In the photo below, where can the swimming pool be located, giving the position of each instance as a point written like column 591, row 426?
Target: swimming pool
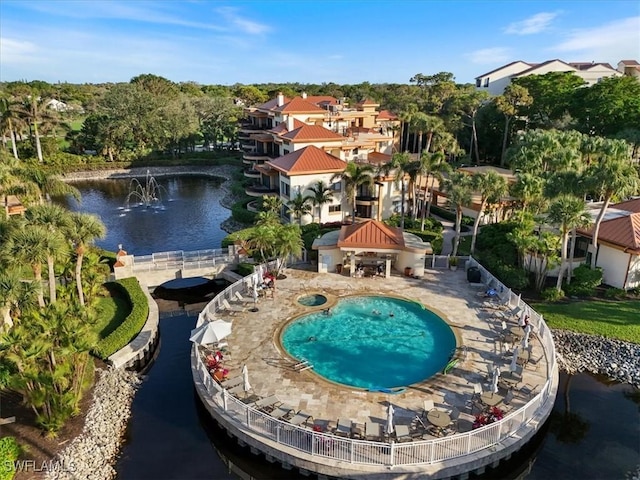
column 372, row 342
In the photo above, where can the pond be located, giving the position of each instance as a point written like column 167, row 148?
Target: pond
column 593, row 433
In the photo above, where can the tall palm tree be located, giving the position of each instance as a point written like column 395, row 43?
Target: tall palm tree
column 567, row 212
column 16, row 295
column 611, row 177
column 400, row 166
column 83, row 230
column 56, row 220
column 434, row 166
column 300, row 206
column 492, row 187
column 353, row 176
column 49, row 185
column 288, row 243
column 514, row 97
column 322, row 194
column 458, row 188
column 10, row 122
column 528, row 190
column 35, row 112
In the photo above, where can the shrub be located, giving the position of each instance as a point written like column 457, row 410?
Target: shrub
column 584, row 281
column 451, row 216
column 616, row 293
column 131, row 326
column 239, row 235
column 552, row 294
column 245, row 269
column 9, row 453
column 240, row 213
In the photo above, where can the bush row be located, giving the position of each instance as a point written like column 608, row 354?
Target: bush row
column 132, row 325
column 240, row 213
column 9, row 453
column 451, row 216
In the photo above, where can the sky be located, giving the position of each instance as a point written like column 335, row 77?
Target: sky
column 341, row 41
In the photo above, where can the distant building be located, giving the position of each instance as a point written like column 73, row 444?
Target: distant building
column 498, row 79
column 629, row 68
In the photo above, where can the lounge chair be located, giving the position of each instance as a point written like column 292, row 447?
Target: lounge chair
column 343, row 428
column 402, row 433
column 300, row 418
column 232, row 308
column 281, row 412
column 232, row 382
column 236, row 391
column 241, row 299
column 267, row 403
column 372, row 431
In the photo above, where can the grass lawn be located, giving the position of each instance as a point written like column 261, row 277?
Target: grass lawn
column 111, row 312
column 612, row 319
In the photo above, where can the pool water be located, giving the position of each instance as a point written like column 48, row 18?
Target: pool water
column 312, row 300
column 372, row 342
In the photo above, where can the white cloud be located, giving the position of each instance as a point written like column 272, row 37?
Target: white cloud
column 14, row 51
column 243, row 24
column 534, row 24
column 612, row 41
column 489, row 56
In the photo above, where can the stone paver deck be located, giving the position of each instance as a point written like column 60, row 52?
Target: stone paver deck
column 253, row 342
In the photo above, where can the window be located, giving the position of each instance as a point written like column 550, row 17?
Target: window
column 486, row 82
column 478, row 82
column 336, row 187
column 335, row 208
column 285, row 189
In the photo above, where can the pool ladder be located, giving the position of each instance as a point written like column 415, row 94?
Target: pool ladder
column 302, row 366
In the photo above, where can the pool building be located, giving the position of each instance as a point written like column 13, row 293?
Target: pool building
column 335, row 428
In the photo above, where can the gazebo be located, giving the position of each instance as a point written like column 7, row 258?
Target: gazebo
column 371, row 248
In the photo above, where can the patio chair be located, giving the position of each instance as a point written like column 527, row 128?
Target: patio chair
column 237, row 391
column 281, row 412
column 267, row 403
column 373, row 431
column 356, row 431
column 455, row 417
column 402, row 433
column 232, row 382
column 300, row 418
column 428, row 406
column 232, row 308
column 241, row 299
column 343, row 427
column 529, row 391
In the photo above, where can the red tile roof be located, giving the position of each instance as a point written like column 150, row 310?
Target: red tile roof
column 282, row 126
column 322, row 100
column 299, row 105
column 308, row 160
column 271, row 104
column 629, row 205
column 378, row 158
column 307, row 133
column 371, row 234
column 367, row 101
column 622, row 231
column 387, row 115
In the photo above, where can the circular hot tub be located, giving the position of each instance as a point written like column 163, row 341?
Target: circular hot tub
column 314, row 300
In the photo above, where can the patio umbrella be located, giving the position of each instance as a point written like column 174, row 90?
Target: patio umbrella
column 514, row 361
column 494, row 379
column 390, row 428
column 210, row 332
column 245, row 378
column 525, row 339
column 255, row 289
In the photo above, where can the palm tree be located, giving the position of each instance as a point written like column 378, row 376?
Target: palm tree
column 458, row 188
column 83, row 230
column 401, row 165
column 353, row 176
column 434, row 165
column 48, row 184
column 322, row 194
column 300, row 206
column 9, row 123
column 567, row 212
column 35, row 112
column 288, row 243
column 609, row 178
column 16, row 295
column 492, row 187
column 56, row 219
column 270, row 210
column 528, row 189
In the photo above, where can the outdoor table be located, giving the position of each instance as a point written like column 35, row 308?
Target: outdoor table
column 523, row 357
column 491, row 399
column 517, row 331
column 438, row 418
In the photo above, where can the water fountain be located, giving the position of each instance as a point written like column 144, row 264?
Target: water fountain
column 147, row 194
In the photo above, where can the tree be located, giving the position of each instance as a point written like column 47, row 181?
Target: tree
column 321, row 195
column 288, row 243
column 10, row 122
column 83, row 230
column 567, row 212
column 400, row 166
column 16, row 295
column 300, row 206
column 458, row 188
column 508, row 103
column 435, row 167
column 614, row 176
column 353, row 176
column 528, row 189
column 492, row 187
column 467, row 103
column 35, row 112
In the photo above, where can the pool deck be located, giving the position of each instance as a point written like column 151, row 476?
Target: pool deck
column 254, row 342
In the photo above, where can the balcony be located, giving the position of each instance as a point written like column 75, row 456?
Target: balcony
column 250, row 173
column 366, row 200
column 258, row 190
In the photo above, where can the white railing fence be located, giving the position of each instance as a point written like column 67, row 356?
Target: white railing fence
column 179, row 259
column 379, row 453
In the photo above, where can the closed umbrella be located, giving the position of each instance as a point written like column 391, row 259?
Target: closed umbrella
column 494, row 379
column 210, row 332
column 245, row 379
column 390, row 428
column 514, row 361
column 525, row 339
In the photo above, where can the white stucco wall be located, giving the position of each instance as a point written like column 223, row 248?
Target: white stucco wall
column 614, row 265
column 499, row 80
column 328, row 259
column 633, row 279
column 413, row 260
column 305, row 182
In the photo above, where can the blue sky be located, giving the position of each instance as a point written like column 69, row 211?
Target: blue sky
column 227, row 42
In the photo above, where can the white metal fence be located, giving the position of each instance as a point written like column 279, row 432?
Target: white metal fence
column 179, row 259
column 382, row 453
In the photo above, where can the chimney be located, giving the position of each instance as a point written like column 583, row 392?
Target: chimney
column 280, row 99
column 304, row 95
column 290, row 126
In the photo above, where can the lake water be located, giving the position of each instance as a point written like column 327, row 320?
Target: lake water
column 594, row 431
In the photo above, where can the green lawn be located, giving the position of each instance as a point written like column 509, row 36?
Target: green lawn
column 612, row 319
column 111, row 312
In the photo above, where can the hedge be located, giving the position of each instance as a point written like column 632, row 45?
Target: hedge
column 240, row 213
column 132, row 325
column 9, row 453
column 451, row 216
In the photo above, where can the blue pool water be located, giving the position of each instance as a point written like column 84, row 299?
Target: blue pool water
column 361, row 345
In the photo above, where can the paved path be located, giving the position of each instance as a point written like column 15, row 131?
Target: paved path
column 448, row 234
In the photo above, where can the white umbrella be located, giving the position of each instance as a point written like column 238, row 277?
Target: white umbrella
column 514, row 361
column 245, row 378
column 525, row 339
column 390, row 428
column 255, row 290
column 210, row 332
column 494, row 380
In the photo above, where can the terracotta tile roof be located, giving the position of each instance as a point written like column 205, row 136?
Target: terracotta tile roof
column 307, row 133
column 629, row 205
column 371, row 234
column 367, row 101
column 282, row 127
column 378, row 158
column 308, row 160
column 622, row 231
column 299, row 105
column 322, row 100
column 387, row 115
column 271, row 104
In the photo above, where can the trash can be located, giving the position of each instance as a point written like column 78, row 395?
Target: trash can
column 408, row 271
column 474, row 275
column 339, row 268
